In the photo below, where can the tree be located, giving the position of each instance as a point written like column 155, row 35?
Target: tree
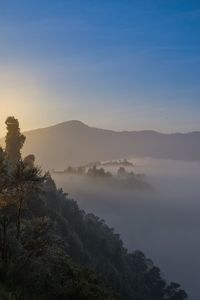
column 6, row 206
column 3, row 171
column 14, row 141
column 121, row 173
column 27, row 179
column 174, row 292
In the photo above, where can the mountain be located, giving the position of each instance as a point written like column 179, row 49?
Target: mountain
column 75, row 143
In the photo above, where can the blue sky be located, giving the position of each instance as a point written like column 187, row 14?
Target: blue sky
column 110, row 63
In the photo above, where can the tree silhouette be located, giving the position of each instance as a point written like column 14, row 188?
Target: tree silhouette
column 14, row 141
column 27, row 180
column 24, row 177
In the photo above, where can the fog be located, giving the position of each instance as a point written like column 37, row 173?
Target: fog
column 164, row 223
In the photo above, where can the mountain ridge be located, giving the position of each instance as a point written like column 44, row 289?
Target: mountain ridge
column 74, row 142
column 80, row 123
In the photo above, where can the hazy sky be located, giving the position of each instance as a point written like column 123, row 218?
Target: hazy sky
column 115, row 64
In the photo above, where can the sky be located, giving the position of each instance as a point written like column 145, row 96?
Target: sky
column 117, row 64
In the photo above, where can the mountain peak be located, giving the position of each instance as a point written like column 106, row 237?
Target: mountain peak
column 72, row 124
column 76, row 122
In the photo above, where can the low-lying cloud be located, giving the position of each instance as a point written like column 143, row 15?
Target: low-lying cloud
column 163, row 223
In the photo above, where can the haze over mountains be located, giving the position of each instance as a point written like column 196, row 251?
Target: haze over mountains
column 75, row 143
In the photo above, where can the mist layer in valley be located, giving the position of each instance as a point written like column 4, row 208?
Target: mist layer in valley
column 164, row 223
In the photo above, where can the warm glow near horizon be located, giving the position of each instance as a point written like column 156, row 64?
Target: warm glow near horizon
column 17, row 98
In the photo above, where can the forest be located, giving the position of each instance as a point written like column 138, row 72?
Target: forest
column 122, row 178
column 52, row 249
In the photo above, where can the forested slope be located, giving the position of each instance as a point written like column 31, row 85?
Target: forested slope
column 51, row 249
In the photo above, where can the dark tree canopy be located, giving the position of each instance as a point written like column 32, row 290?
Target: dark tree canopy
column 14, row 140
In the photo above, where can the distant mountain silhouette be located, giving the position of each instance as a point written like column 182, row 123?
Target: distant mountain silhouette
column 75, row 143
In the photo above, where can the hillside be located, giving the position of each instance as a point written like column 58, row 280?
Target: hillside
column 53, row 250
column 75, row 143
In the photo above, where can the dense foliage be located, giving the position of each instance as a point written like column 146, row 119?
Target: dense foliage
column 51, row 249
column 14, row 140
column 122, row 178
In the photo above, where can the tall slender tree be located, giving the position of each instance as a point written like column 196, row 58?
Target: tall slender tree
column 6, row 207
column 14, row 141
column 27, row 179
column 3, row 171
column 25, row 176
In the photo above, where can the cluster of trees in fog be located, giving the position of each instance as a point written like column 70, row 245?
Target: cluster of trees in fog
column 112, row 163
column 51, row 249
column 122, row 178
